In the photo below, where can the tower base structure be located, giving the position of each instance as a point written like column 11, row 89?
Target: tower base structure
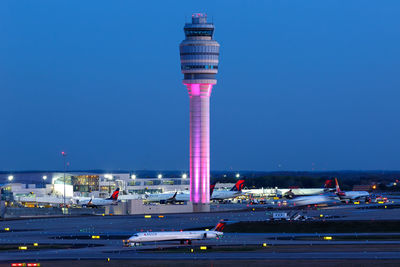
column 201, row 207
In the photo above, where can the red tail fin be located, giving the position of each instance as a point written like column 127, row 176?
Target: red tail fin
column 338, row 191
column 212, row 186
column 337, row 186
column 220, row 226
column 329, row 184
column 114, row 195
column 238, row 186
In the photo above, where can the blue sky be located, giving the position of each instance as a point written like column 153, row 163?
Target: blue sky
column 302, row 85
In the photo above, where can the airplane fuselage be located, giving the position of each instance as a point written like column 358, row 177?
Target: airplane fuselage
column 97, row 202
column 224, row 194
column 173, row 236
column 312, row 200
column 354, row 195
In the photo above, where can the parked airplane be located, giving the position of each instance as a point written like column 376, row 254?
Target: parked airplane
column 328, row 187
column 318, row 200
column 170, row 200
column 235, row 191
column 182, row 236
column 328, row 197
column 97, row 202
column 167, row 198
column 351, row 195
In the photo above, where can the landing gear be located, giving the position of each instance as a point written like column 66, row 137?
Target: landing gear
column 189, row 242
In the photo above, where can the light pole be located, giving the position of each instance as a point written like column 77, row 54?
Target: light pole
column 44, row 181
column 64, row 155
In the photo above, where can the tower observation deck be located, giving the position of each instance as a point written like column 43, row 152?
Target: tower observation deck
column 199, row 55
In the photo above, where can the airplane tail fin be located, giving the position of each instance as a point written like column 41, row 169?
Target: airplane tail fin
column 289, row 194
column 220, row 226
column 337, row 186
column 238, row 186
column 328, row 184
column 174, row 196
column 114, row 195
column 338, row 191
column 212, row 186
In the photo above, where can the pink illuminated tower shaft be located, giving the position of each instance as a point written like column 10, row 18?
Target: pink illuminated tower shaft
column 199, row 142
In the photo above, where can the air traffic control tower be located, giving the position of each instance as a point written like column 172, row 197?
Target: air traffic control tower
column 199, row 64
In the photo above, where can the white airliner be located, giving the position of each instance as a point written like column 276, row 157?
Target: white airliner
column 167, row 198
column 235, row 191
column 182, row 236
column 299, row 192
column 97, row 202
column 351, row 195
column 324, row 199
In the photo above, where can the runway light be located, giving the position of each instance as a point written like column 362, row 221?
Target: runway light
column 207, row 230
column 33, row 264
column 265, row 245
column 35, row 244
column 103, row 214
column 203, row 248
column 321, row 215
column 380, row 202
column 327, row 238
column 385, row 207
column 147, row 216
column 160, row 216
column 7, row 229
column 357, row 202
column 18, row 264
column 95, row 237
column 191, row 250
column 108, row 259
column 23, row 248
